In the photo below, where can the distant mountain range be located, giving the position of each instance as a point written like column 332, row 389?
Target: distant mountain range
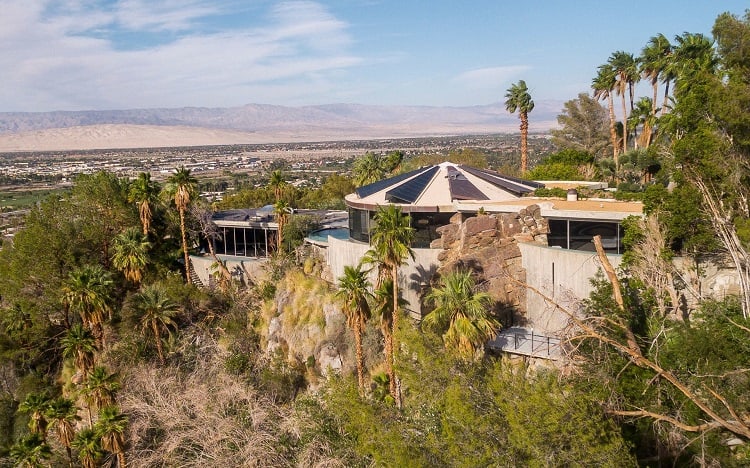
column 256, row 123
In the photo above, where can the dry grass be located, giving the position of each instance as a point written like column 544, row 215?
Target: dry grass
column 209, row 418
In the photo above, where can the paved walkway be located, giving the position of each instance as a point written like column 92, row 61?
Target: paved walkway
column 527, row 342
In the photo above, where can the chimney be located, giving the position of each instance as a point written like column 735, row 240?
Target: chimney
column 572, row 195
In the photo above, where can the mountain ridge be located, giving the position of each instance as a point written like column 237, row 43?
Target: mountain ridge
column 254, row 123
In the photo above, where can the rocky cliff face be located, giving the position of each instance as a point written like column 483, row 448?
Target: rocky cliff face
column 488, row 246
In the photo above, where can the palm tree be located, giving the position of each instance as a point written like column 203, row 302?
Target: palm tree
column 643, row 115
column 368, row 169
column 88, row 292
column 30, row 451
column 626, row 71
column 80, row 344
column 110, row 427
column 391, row 239
column 131, row 254
column 88, row 444
column 518, row 98
column 693, row 53
column 653, row 61
column 143, row 192
column 156, row 312
column 281, row 210
column 99, row 389
column 277, row 182
column 181, row 187
column 63, row 415
column 354, row 290
column 462, row 314
column 603, row 86
column 37, row 405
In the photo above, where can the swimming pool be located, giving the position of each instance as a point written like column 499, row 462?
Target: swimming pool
column 321, row 236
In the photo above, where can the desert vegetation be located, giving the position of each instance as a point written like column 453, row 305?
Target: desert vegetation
column 110, row 355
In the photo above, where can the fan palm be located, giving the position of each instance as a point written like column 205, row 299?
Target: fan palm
column 653, row 61
column 354, row 289
column 100, row 389
column 277, row 182
column 111, row 429
column 30, row 451
column 461, row 314
column 88, row 445
column 391, row 239
column 87, row 292
column 144, row 192
column 518, row 98
column 36, row 405
column 626, row 71
column 131, row 254
column 181, row 187
column 156, row 312
column 693, row 53
column 80, row 344
column 603, row 86
column 63, row 415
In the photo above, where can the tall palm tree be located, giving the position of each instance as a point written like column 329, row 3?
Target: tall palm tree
column 354, row 289
column 281, row 210
column 30, row 452
column 626, row 71
column 277, row 182
column 181, row 187
column 63, row 415
column 36, row 405
column 131, row 254
column 517, row 98
column 368, row 169
column 100, row 389
column 653, row 61
column 603, row 86
column 144, row 192
column 110, row 427
column 87, row 443
column 461, row 314
column 693, row 53
column 156, row 313
column 391, row 239
column 80, row 344
column 88, row 292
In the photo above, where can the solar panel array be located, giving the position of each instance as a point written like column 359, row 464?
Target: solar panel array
column 511, row 184
column 369, row 189
column 409, row 191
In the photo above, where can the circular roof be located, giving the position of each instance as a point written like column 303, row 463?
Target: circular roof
column 436, row 188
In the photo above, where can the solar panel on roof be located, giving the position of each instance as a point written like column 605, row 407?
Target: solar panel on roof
column 369, row 189
column 513, row 185
column 462, row 189
column 409, row 191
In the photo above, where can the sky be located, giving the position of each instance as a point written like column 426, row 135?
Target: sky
column 131, row 54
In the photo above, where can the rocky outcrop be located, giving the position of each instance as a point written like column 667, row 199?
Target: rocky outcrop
column 488, row 246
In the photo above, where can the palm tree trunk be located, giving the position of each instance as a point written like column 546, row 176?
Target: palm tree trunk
column 184, row 244
column 394, row 327
column 360, row 354
column 145, row 212
column 157, row 337
column 121, row 459
column 624, row 127
column 666, row 98
column 524, row 141
column 612, row 132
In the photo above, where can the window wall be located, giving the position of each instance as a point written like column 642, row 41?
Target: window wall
column 578, row 235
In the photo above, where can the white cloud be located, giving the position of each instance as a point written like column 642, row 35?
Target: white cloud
column 65, row 58
column 490, row 78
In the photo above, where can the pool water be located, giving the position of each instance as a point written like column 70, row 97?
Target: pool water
column 322, row 235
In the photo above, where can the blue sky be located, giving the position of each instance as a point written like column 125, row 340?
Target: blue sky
column 123, row 54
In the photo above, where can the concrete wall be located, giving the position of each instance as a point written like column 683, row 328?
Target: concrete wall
column 561, row 274
column 413, row 277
